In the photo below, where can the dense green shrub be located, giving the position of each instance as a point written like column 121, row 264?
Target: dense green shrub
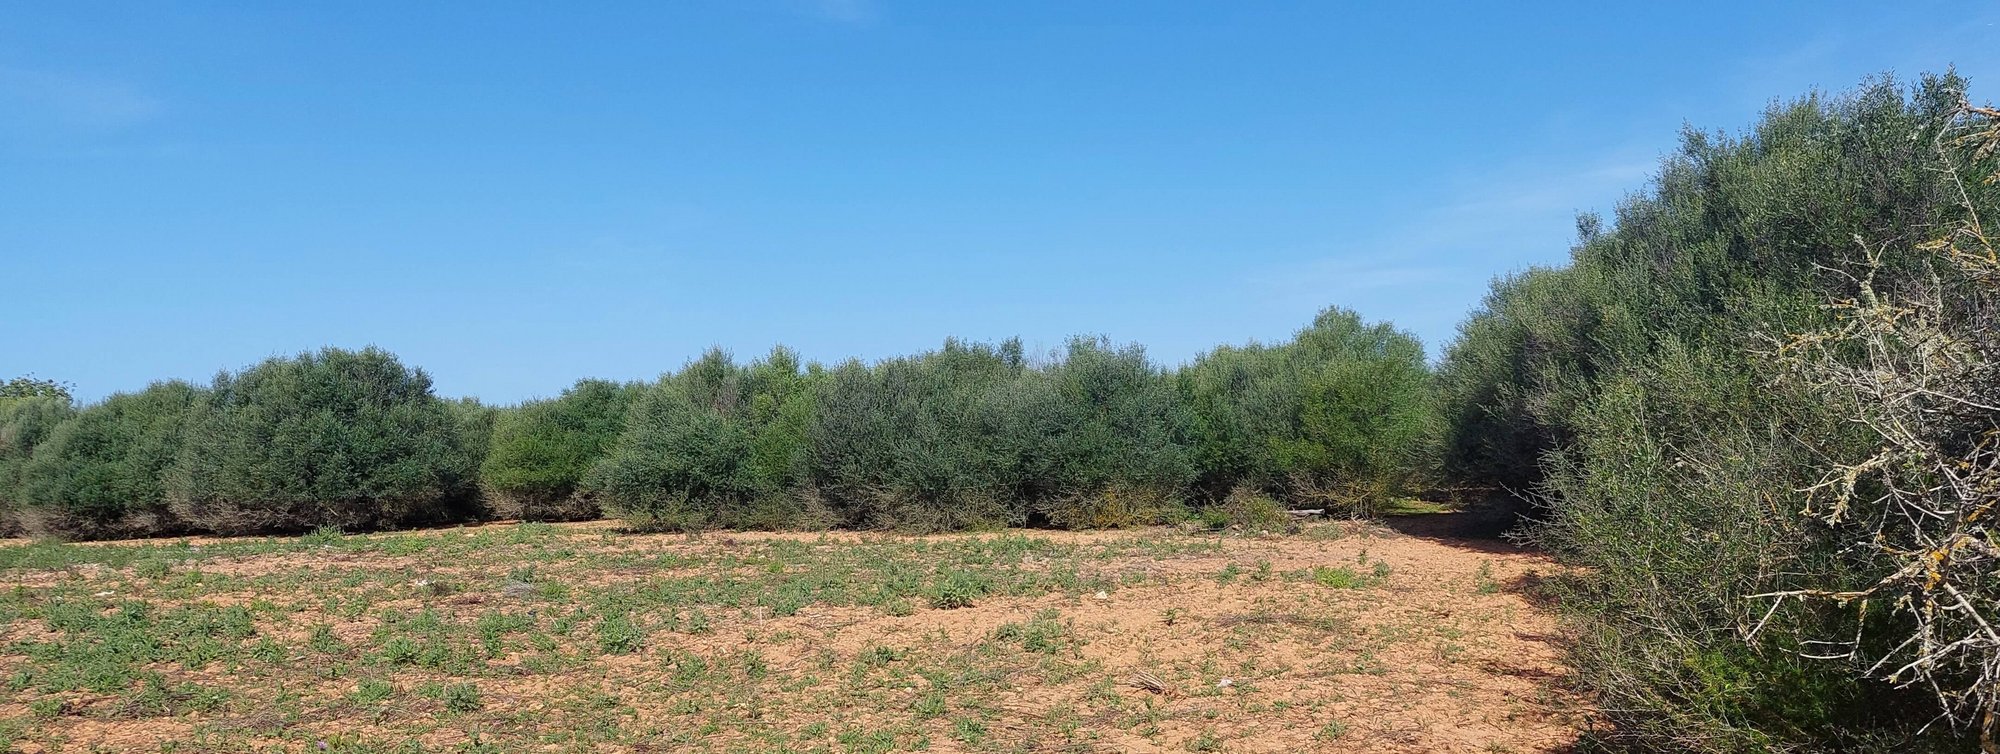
column 1634, row 392
column 1683, row 505
column 541, row 451
column 475, row 423
column 334, row 438
column 1910, row 364
column 716, row 444
column 973, row 436
column 1341, row 414
column 1096, row 438
column 101, row 473
column 1250, row 511
column 902, row 444
column 1502, row 388
column 25, row 422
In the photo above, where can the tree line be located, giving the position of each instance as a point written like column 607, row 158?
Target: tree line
column 971, row 435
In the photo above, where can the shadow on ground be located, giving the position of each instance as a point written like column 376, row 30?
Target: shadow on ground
column 1489, row 525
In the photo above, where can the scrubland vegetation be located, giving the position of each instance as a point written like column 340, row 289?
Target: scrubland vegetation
column 970, row 436
column 1754, row 415
column 1757, row 408
column 587, row 637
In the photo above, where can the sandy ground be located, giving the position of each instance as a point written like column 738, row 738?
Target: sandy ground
column 1343, row 638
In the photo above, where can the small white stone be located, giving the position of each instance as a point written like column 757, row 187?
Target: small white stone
column 1102, row 596
column 105, row 594
column 1224, row 683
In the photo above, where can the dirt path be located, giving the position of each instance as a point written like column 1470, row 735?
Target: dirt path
column 1342, row 637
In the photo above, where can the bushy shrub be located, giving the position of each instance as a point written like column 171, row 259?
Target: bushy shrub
column 25, row 422
column 541, row 451
column 1635, row 393
column 101, row 474
column 1365, row 429
column 1342, row 410
column 1504, row 388
column 1682, row 515
column 901, row 444
column 716, row 444
column 1096, row 438
column 334, row 438
column 1911, row 364
column 476, row 422
column 1248, row 510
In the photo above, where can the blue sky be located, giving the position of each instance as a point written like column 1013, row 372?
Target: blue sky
column 516, row 195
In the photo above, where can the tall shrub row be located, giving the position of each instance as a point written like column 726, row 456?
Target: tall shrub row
column 981, row 435
column 1638, row 393
column 970, row 435
column 973, row 435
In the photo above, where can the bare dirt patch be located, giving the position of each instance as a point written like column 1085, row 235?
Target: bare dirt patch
column 1344, row 637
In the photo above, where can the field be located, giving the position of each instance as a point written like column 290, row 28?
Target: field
column 528, row 637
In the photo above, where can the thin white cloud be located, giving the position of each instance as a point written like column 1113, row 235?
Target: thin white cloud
column 1510, row 214
column 1836, row 61
column 67, row 100
column 1425, row 272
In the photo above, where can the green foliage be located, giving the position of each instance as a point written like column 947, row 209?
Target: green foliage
column 1633, row 393
column 1092, row 440
column 1341, row 414
column 1501, row 390
column 715, row 445
column 30, row 386
column 334, row 438
column 1914, row 358
column 476, row 422
column 1339, row 577
column 901, row 444
column 969, row 436
column 24, row 424
column 101, row 473
column 957, row 588
column 460, row 697
column 973, row 436
column 1249, row 510
column 541, row 451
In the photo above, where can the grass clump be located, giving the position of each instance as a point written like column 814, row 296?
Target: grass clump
column 958, row 588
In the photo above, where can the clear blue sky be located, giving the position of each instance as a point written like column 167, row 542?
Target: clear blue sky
column 516, row 195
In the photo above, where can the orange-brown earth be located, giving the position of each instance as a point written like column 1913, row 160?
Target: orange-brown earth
column 1341, row 637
